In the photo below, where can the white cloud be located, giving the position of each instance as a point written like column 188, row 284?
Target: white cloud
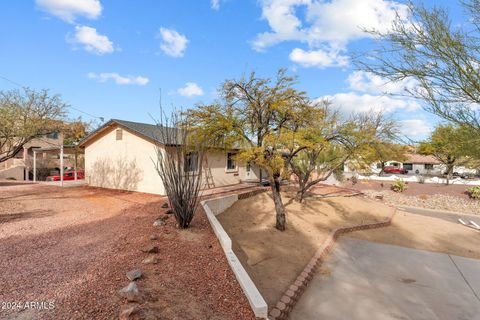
column 415, row 128
column 326, row 25
column 173, row 43
column 215, row 4
column 68, row 10
column 118, row 79
column 318, row 58
column 370, row 83
column 191, row 89
column 353, row 102
column 91, row 40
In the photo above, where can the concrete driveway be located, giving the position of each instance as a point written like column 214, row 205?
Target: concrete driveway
column 366, row 280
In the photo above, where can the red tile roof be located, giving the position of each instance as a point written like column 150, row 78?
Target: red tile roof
column 418, row 158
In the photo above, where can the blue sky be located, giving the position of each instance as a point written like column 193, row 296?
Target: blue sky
column 110, row 58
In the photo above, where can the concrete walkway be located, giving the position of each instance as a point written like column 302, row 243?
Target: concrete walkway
column 363, row 280
column 444, row 215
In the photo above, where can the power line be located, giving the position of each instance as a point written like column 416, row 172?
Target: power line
column 71, row 107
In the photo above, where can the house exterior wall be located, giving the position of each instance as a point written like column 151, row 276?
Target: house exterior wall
column 127, row 164
column 19, row 166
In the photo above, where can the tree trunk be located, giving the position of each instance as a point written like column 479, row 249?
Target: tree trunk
column 277, row 199
column 449, row 173
column 300, row 195
column 382, row 170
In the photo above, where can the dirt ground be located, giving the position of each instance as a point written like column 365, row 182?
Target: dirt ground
column 414, row 188
column 72, row 246
column 427, row 233
column 273, row 258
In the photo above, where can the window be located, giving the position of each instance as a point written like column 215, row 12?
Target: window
column 428, row 166
column 379, row 165
column 191, row 162
column 408, row 166
column 231, row 163
column 249, row 167
column 52, row 135
column 119, row 134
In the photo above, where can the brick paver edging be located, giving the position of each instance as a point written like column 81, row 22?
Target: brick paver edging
column 294, row 292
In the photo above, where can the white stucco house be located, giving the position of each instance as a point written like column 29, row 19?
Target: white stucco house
column 416, row 164
column 121, row 155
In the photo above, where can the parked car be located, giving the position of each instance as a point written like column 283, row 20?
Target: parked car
column 391, row 169
column 68, row 175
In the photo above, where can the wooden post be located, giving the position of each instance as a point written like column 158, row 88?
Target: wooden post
column 75, row 165
column 61, row 165
column 34, row 166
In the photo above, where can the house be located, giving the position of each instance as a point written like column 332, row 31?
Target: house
column 20, row 167
column 416, row 164
column 122, row 154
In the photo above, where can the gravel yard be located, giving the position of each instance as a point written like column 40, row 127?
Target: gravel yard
column 431, row 196
column 73, row 246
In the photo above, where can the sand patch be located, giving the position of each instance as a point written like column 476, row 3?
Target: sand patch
column 273, row 258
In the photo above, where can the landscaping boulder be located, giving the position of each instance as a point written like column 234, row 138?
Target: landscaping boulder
column 130, row 292
column 150, row 249
column 153, row 237
column 159, row 223
column 128, row 311
column 150, row 260
column 134, row 274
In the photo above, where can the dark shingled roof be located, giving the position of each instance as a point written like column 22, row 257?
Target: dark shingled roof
column 151, row 131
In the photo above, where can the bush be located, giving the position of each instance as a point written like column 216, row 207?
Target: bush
column 474, row 192
column 399, row 185
column 421, row 179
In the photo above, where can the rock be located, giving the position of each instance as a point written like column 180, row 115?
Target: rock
column 159, row 223
column 128, row 311
column 150, row 249
column 150, row 260
column 130, row 292
column 169, row 211
column 153, row 237
column 134, row 274
column 165, row 205
column 163, row 218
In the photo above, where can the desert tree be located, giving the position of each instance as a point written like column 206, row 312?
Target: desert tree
column 334, row 140
column 25, row 115
column 179, row 165
column 257, row 115
column 443, row 59
column 448, row 145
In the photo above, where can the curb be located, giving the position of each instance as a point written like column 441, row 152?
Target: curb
column 215, row 206
column 294, row 292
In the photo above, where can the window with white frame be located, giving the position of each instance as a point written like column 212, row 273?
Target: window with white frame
column 231, row 163
column 191, row 162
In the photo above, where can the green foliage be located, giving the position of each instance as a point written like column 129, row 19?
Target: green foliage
column 474, row 192
column 26, row 115
column 439, row 59
column 399, row 185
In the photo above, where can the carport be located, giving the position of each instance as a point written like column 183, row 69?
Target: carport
column 61, row 151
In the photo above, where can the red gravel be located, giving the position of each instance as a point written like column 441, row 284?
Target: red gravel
column 414, row 188
column 81, row 263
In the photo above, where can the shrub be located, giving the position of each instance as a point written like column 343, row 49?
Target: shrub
column 354, row 180
column 399, row 185
column 474, row 192
column 421, row 179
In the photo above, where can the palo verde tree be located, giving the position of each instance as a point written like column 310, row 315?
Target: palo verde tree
column 257, row 115
column 446, row 144
column 178, row 164
column 26, row 115
column 443, row 59
column 331, row 142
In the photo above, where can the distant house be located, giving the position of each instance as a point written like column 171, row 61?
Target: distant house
column 20, row 167
column 416, row 164
column 121, row 155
